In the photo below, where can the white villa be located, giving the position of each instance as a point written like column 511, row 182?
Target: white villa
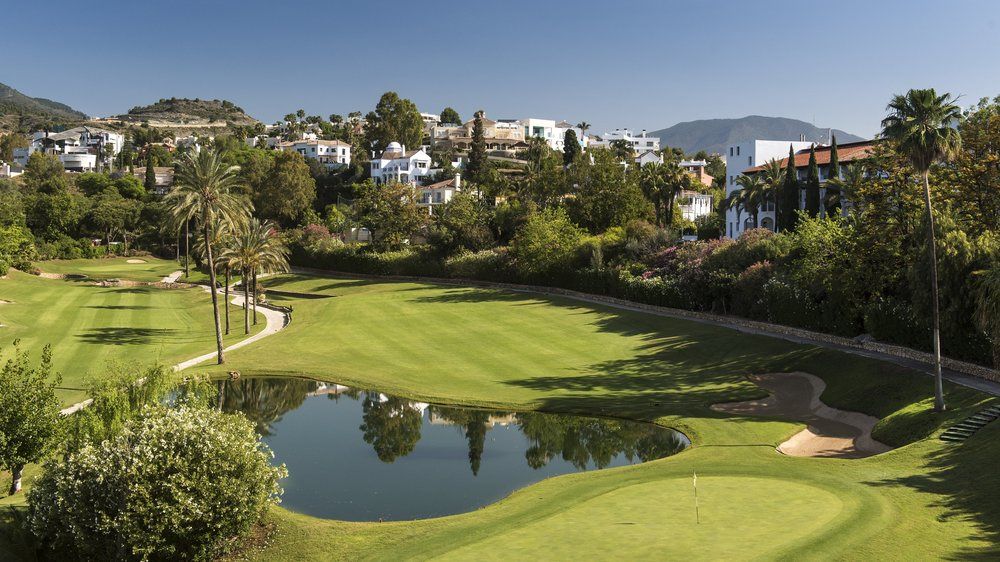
column 648, row 157
column 694, row 205
column 553, row 132
column 437, row 194
column 331, row 153
column 640, row 143
column 79, row 149
column 750, row 157
column 396, row 164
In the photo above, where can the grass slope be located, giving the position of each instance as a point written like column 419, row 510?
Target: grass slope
column 89, row 325
column 152, row 269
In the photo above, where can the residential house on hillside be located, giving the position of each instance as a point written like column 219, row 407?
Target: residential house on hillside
column 331, row 153
column 8, row 170
column 437, row 194
column 640, row 143
column 396, row 164
column 697, row 169
column 751, row 157
column 503, row 136
column 694, row 205
column 551, row 131
column 80, row 149
column 648, row 157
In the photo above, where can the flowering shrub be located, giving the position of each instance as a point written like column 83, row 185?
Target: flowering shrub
column 175, row 484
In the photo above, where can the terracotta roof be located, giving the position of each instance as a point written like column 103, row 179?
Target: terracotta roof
column 314, row 141
column 441, row 184
column 845, row 153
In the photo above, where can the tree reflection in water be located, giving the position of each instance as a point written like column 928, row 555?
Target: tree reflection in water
column 392, row 425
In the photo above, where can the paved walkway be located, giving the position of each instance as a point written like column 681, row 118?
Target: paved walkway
column 172, row 278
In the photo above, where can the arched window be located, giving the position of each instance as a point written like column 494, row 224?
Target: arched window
column 767, row 223
column 748, row 224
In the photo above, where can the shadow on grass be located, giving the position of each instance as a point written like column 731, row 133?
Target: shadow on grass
column 962, row 480
column 124, row 336
column 120, row 307
column 272, row 282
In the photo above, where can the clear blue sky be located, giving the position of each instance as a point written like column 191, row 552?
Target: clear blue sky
column 638, row 64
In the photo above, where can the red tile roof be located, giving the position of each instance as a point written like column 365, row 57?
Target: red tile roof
column 845, row 153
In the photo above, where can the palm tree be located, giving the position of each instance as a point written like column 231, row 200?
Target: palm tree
column 583, row 126
column 223, row 237
column 755, row 193
column 922, row 125
column 204, row 187
column 843, row 188
column 255, row 249
column 737, row 201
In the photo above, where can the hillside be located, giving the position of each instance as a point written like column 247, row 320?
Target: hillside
column 714, row 135
column 176, row 113
column 19, row 112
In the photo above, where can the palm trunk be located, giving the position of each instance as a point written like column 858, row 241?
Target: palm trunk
column 214, row 291
column 254, row 275
column 15, row 485
column 227, row 299
column 187, row 249
column 246, row 302
column 938, row 382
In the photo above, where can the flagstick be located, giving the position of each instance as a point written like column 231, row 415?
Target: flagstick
column 694, row 482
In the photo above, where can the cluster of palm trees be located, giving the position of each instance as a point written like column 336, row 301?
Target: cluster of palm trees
column 229, row 238
column 662, row 182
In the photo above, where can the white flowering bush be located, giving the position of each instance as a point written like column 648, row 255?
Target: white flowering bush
column 174, row 484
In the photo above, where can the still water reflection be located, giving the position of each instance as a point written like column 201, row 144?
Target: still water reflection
column 363, row 455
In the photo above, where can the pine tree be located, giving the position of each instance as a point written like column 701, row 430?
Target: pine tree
column 571, row 147
column 150, row 182
column 477, row 152
column 812, row 185
column 788, row 200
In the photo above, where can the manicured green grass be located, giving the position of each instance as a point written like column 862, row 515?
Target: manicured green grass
column 515, row 350
column 88, row 325
column 153, row 269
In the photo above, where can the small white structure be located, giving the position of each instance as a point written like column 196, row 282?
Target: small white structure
column 79, row 149
column 396, row 164
column 648, row 157
column 437, row 194
column 331, row 153
column 640, row 143
column 553, row 132
column 10, row 170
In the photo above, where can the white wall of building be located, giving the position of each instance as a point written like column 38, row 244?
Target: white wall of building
column 640, row 143
column 397, row 165
column 744, row 155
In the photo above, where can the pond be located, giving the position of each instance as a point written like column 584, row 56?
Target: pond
column 361, row 455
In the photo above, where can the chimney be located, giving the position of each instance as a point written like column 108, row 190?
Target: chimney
column 458, row 180
column 402, row 147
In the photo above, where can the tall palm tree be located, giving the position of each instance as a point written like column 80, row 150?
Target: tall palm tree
column 922, row 125
column 204, row 186
column 844, row 187
column 755, row 193
column 255, row 249
column 583, row 126
column 223, row 237
column 736, row 200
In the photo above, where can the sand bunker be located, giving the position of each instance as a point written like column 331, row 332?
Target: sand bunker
column 135, row 261
column 5, row 302
column 830, row 432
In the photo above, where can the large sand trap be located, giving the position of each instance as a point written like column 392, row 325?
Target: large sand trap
column 135, row 261
column 830, row 432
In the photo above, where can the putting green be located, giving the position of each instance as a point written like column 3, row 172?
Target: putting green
column 657, row 520
column 151, row 269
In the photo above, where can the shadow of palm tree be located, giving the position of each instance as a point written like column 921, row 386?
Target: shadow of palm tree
column 120, row 307
column 124, row 336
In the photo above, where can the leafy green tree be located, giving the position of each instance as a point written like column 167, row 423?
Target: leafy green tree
column 921, row 125
column 788, row 198
column 130, row 187
column 179, row 483
column 844, row 187
column 475, row 169
column 111, row 213
column 988, row 306
column 394, row 119
column 204, row 188
column 606, row 195
column 44, row 173
column 975, row 176
column 53, row 215
column 17, row 248
column 287, row 190
column 8, row 143
column 546, row 244
column 812, row 185
column 29, row 412
column 92, row 184
column 450, row 117
column 571, row 147
column 461, row 224
column 390, row 212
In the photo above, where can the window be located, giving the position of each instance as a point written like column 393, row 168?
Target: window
column 737, row 151
column 730, row 151
column 749, row 160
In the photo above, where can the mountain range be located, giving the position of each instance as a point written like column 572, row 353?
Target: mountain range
column 19, row 111
column 715, row 135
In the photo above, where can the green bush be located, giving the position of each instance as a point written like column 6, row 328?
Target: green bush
column 748, row 291
column 487, row 265
column 175, row 484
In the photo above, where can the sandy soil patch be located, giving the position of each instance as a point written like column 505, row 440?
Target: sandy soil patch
column 5, row 302
column 135, row 261
column 829, row 433
column 45, row 275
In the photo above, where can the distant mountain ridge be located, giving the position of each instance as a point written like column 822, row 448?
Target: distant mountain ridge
column 189, row 112
column 19, row 111
column 715, row 135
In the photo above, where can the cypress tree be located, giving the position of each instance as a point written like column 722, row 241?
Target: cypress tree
column 477, row 151
column 150, row 182
column 571, row 147
column 788, row 202
column 812, row 185
column 833, row 173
